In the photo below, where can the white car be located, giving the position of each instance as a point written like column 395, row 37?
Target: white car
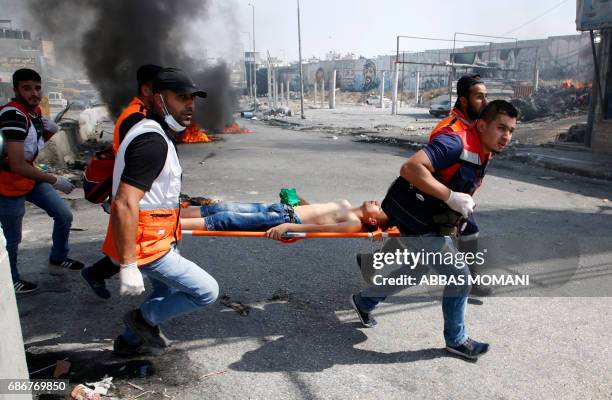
column 56, row 100
column 440, row 109
column 375, row 100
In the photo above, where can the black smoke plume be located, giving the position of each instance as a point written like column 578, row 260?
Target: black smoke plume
column 112, row 38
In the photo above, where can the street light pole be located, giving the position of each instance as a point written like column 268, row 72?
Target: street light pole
column 301, row 71
column 254, row 62
column 249, row 73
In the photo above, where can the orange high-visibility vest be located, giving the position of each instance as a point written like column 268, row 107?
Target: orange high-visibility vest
column 472, row 158
column 158, row 217
column 455, row 122
column 11, row 183
column 135, row 106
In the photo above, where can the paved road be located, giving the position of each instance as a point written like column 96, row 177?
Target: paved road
column 300, row 339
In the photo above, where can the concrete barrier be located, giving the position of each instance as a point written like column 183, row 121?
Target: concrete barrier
column 12, row 354
column 88, row 121
column 64, row 146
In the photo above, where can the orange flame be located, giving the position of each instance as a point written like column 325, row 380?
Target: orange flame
column 193, row 134
column 235, row 128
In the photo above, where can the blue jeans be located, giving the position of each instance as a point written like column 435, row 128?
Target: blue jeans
column 230, row 216
column 179, row 287
column 454, row 298
column 12, row 210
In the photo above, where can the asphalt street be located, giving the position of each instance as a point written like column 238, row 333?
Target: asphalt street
column 300, row 338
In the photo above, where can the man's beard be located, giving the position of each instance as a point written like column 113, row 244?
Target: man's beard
column 472, row 113
column 23, row 101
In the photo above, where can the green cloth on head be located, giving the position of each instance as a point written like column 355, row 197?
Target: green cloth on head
column 290, row 197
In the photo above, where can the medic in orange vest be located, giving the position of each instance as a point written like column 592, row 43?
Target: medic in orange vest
column 436, row 183
column 25, row 132
column 144, row 220
column 471, row 99
column 136, row 110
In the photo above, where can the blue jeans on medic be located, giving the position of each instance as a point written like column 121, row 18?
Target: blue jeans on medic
column 230, row 216
column 179, row 287
column 12, row 210
column 454, row 297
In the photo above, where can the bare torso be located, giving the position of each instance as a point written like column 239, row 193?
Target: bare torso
column 326, row 213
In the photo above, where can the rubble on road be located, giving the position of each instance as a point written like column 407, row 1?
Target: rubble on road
column 553, row 102
column 575, row 134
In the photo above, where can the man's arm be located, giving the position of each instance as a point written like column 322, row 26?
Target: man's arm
column 21, row 167
column 124, row 219
column 50, row 128
column 418, row 170
column 347, row 226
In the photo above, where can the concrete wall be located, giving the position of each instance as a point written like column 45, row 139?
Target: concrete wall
column 12, row 356
column 557, row 57
column 18, row 53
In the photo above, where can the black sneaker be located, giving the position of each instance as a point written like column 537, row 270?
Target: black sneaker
column 470, row 349
column 98, row 286
column 122, row 348
column 67, row 264
column 22, row 287
column 366, row 319
column 150, row 335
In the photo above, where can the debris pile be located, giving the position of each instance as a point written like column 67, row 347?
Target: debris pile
column 569, row 99
column 282, row 111
column 575, row 134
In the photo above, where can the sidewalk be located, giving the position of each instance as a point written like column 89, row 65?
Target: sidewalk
column 569, row 158
column 411, row 128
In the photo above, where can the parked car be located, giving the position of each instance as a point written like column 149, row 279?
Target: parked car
column 56, row 100
column 441, row 109
column 375, row 100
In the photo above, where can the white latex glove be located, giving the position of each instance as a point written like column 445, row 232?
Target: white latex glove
column 461, row 202
column 130, row 280
column 63, row 185
column 49, row 125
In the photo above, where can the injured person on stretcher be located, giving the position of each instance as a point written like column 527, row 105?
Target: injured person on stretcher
column 277, row 218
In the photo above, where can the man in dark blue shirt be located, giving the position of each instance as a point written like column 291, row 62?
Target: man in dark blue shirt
column 437, row 182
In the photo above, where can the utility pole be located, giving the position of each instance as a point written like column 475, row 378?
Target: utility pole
column 269, row 81
column 332, row 93
column 382, row 90
column 416, row 89
column 395, row 84
column 301, row 72
column 322, row 91
column 249, row 73
column 254, row 61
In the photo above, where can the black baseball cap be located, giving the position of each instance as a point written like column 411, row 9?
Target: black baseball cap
column 146, row 73
column 466, row 82
column 176, row 80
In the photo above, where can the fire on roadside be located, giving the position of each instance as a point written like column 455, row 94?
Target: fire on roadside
column 193, row 134
column 568, row 83
column 235, row 128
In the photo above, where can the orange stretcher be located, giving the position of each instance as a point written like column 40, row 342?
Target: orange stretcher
column 290, row 237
